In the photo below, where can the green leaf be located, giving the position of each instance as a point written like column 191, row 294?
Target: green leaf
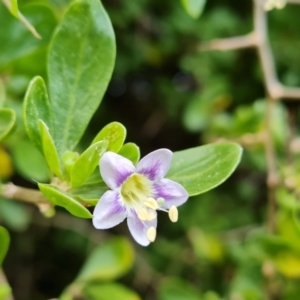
column 131, row 151
column 7, row 122
column 203, row 168
column 109, row 291
column 87, row 163
column 36, row 107
column 193, row 7
column 80, row 66
column 114, row 133
column 49, row 150
column 108, row 261
column 5, row 291
column 14, row 9
column 23, row 44
column 29, row 162
column 57, row 197
column 4, row 242
column 14, row 215
column 89, row 193
column 177, row 289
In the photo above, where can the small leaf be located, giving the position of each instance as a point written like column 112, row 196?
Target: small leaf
column 29, row 162
column 87, row 163
column 5, row 291
column 114, row 133
column 89, row 193
column 177, row 289
column 131, row 151
column 193, row 7
column 203, row 168
column 36, row 107
column 23, row 44
column 80, row 65
column 49, row 150
column 14, row 8
column 7, row 122
column 108, row 261
column 109, row 291
column 4, row 242
column 60, row 198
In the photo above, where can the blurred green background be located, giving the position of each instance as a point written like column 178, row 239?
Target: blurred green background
column 167, row 94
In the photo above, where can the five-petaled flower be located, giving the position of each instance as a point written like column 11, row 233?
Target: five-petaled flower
column 137, row 193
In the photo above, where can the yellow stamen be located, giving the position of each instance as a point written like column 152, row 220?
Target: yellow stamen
column 151, row 216
column 151, row 203
column 151, row 234
column 142, row 214
column 173, row 213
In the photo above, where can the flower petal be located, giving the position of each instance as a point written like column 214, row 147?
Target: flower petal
column 156, row 164
column 138, row 229
column 172, row 192
column 109, row 212
column 115, row 169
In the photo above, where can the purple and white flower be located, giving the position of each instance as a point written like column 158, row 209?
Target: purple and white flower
column 137, row 193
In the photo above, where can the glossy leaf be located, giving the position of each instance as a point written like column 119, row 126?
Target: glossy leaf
column 81, row 61
column 131, row 151
column 60, row 198
column 7, row 122
column 203, row 168
column 108, row 261
column 4, row 242
column 109, row 291
column 36, row 107
column 50, row 151
column 193, row 7
column 87, row 163
column 114, row 133
column 89, row 193
column 29, row 162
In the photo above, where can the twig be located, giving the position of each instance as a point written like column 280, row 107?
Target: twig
column 14, row 192
column 258, row 39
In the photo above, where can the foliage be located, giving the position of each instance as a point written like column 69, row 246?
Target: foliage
column 158, row 91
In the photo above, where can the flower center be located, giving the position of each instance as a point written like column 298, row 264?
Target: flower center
column 136, row 189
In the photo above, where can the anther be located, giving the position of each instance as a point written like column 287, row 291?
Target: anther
column 151, row 216
column 151, row 203
column 151, row 234
column 142, row 214
column 173, row 213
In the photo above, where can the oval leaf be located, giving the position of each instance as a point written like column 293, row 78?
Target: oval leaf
column 4, row 242
column 109, row 291
column 81, row 61
column 36, row 107
column 114, row 133
column 87, row 163
column 59, row 198
column 131, row 151
column 203, row 168
column 194, row 8
column 49, row 150
column 7, row 122
column 108, row 261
